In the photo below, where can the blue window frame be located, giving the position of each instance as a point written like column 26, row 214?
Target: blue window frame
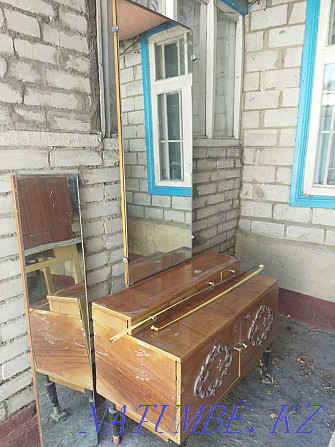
column 153, row 188
column 297, row 196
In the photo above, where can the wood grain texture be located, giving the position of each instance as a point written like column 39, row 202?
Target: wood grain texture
column 140, row 299
column 132, row 373
column 187, row 335
column 150, row 265
column 191, row 370
column 138, row 368
column 60, row 347
column 45, row 210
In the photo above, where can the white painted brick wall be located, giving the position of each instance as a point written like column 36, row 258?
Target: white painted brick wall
column 286, row 36
column 36, row 51
column 35, row 7
column 78, row 5
column 53, row 57
column 281, row 118
column 305, row 233
column 273, row 49
column 269, row 17
column 261, row 100
column 22, row 23
column 265, row 60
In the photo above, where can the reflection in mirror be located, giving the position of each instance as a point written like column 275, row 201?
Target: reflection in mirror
column 156, row 110
column 51, row 251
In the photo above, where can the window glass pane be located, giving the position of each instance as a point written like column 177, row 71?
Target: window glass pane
column 325, row 163
column 182, row 56
column 171, row 60
column 159, row 61
column 175, row 161
column 194, row 15
column 173, row 116
column 162, row 117
column 331, row 168
column 170, row 136
column 331, row 39
column 225, row 76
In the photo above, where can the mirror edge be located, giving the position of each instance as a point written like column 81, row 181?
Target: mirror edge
column 120, row 141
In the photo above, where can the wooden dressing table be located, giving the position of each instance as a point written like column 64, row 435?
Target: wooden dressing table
column 193, row 359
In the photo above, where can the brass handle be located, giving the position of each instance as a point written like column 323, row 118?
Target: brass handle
column 240, row 347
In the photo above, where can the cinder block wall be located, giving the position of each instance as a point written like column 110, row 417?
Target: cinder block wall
column 296, row 244
column 49, row 122
column 217, row 170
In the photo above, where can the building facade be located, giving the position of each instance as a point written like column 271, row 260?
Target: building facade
column 244, row 154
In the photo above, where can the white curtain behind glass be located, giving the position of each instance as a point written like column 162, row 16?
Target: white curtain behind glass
column 225, row 77
column 189, row 15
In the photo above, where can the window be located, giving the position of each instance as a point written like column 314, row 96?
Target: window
column 217, row 69
column 224, row 69
column 168, row 106
column 313, row 177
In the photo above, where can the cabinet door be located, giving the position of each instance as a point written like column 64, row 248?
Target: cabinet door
column 258, row 328
column 210, row 372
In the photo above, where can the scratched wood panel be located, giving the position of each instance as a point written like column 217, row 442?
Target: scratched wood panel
column 141, row 299
column 45, row 210
column 132, row 373
column 60, row 346
column 101, row 315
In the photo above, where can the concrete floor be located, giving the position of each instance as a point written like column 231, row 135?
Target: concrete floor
column 303, row 369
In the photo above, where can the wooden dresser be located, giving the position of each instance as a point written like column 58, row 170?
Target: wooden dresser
column 193, row 359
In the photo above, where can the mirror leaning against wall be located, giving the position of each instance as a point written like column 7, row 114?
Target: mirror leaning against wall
column 155, row 73
column 47, row 210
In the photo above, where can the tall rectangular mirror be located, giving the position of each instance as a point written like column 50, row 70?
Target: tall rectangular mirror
column 49, row 231
column 155, row 103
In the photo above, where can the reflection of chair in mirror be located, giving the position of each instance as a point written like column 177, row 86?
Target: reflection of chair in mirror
column 40, row 259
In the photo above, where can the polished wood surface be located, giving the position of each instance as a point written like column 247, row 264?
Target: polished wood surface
column 74, row 291
column 224, row 338
column 141, row 298
column 187, row 335
column 132, row 373
column 45, row 210
column 60, row 347
column 146, row 266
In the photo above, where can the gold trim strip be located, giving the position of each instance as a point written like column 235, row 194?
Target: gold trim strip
column 154, row 317
column 260, row 268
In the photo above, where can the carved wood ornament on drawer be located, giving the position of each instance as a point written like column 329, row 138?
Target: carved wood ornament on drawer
column 217, row 361
column 259, row 329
